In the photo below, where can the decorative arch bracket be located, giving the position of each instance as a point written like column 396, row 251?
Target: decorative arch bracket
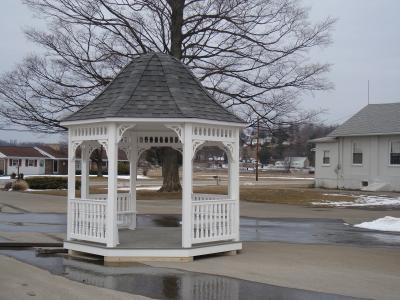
column 74, row 146
column 195, row 145
column 229, row 147
column 121, row 129
column 178, row 130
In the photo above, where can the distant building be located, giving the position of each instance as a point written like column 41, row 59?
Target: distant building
column 49, row 159
column 293, row 163
column 363, row 153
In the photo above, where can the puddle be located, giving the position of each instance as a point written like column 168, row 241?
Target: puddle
column 164, row 283
column 290, row 230
column 313, row 231
column 33, row 222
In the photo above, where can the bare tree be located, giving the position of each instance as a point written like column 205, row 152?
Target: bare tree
column 253, row 56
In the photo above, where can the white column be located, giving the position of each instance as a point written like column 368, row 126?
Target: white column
column 112, row 155
column 71, row 185
column 132, row 184
column 234, row 183
column 84, row 172
column 187, row 187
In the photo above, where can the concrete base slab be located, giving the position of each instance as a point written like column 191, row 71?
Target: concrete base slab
column 151, row 244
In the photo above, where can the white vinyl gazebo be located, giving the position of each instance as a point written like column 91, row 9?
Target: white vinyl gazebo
column 155, row 101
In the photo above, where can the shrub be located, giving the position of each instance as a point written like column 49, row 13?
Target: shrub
column 13, row 175
column 20, row 185
column 123, row 168
column 8, row 186
column 47, row 182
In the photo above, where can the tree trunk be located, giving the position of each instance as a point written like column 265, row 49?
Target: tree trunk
column 170, row 171
column 177, row 7
column 97, row 156
column 169, row 156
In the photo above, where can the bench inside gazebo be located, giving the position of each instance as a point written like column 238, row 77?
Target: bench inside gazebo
column 155, row 101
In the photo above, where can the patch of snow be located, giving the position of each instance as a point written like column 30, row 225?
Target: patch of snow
column 338, row 195
column 248, row 183
column 384, row 224
column 141, row 188
column 265, row 177
column 363, row 200
column 39, row 190
column 128, row 177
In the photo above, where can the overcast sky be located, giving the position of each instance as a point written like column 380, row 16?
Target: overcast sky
column 366, row 46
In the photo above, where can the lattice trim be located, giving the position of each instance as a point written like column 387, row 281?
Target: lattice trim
column 178, row 130
column 122, row 129
column 195, row 145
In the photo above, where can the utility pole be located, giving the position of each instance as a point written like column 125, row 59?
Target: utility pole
column 257, row 146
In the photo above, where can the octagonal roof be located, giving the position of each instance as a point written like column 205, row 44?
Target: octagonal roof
column 154, row 85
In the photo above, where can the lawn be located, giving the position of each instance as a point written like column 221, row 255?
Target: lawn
column 279, row 195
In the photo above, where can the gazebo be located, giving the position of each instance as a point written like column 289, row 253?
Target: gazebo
column 155, row 101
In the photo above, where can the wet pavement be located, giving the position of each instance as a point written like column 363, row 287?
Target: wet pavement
column 288, row 230
column 164, row 283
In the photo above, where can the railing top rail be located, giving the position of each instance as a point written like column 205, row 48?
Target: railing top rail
column 214, row 201
column 94, row 201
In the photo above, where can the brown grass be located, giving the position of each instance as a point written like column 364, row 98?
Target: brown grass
column 278, row 195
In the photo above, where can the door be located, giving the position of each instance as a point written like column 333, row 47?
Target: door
column 55, row 166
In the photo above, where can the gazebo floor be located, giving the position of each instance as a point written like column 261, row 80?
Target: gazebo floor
column 151, row 244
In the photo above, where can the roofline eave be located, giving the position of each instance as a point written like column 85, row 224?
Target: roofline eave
column 364, row 134
column 153, row 120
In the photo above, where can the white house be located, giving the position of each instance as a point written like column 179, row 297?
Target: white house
column 363, row 153
column 26, row 160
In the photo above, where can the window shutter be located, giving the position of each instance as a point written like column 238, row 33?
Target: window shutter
column 10, row 162
column 35, row 162
column 20, row 162
column 26, row 163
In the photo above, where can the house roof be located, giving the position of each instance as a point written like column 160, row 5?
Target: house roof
column 54, row 151
column 17, row 151
column 373, row 119
column 327, row 139
column 154, row 85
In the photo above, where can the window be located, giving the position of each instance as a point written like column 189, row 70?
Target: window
column 30, row 162
column 326, row 158
column 395, row 153
column 357, row 154
column 15, row 162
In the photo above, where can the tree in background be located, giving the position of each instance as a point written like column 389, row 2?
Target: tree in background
column 252, row 56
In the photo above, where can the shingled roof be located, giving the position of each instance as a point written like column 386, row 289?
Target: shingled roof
column 17, row 151
column 373, row 119
column 154, row 85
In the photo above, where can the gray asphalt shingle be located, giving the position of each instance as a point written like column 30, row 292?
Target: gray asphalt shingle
column 372, row 119
column 154, row 85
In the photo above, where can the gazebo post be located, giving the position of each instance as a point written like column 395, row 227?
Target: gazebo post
column 132, row 184
column 112, row 154
column 187, row 186
column 234, row 183
column 71, row 183
column 84, row 172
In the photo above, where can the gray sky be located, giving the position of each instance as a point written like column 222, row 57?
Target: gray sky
column 366, row 46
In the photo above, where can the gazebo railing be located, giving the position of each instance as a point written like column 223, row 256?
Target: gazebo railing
column 213, row 218
column 88, row 216
column 125, row 210
column 88, row 219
